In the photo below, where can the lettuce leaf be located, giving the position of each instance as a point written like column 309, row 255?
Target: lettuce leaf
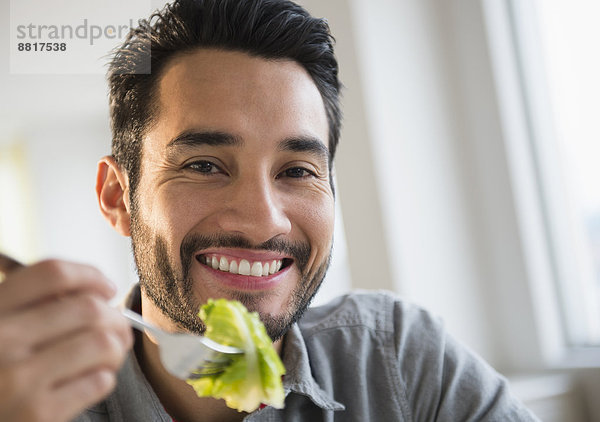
column 253, row 378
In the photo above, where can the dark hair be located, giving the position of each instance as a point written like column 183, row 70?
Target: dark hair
column 265, row 28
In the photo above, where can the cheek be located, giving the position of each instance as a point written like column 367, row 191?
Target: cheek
column 316, row 220
column 175, row 212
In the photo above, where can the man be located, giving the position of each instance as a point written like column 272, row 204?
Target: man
column 221, row 173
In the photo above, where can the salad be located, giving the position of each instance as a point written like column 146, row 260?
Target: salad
column 253, row 378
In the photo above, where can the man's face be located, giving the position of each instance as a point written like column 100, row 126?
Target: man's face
column 234, row 198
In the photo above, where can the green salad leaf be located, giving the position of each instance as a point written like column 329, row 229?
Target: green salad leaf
column 253, row 378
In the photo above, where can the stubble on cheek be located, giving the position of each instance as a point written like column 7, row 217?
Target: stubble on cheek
column 298, row 302
column 166, row 287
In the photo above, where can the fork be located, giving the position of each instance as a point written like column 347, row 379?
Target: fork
column 187, row 356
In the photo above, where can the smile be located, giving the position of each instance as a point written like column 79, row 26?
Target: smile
column 243, row 266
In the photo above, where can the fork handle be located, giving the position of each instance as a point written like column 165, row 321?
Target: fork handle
column 136, row 321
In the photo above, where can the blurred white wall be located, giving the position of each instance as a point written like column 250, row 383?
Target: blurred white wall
column 403, row 168
column 431, row 150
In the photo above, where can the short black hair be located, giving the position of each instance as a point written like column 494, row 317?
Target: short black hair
column 272, row 29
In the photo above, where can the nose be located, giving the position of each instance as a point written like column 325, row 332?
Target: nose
column 254, row 209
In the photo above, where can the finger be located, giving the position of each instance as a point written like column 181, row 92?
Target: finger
column 79, row 354
column 47, row 279
column 63, row 403
column 73, row 397
column 8, row 264
column 35, row 327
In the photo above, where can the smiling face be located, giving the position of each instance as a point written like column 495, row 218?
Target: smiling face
column 234, row 198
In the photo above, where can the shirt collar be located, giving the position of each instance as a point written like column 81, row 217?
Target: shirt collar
column 298, row 378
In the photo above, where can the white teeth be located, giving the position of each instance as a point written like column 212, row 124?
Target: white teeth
column 256, row 269
column 223, row 264
column 244, row 267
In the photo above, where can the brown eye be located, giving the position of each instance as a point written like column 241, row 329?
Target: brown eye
column 297, row 172
column 204, row 167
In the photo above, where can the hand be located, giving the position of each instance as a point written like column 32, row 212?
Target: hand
column 61, row 344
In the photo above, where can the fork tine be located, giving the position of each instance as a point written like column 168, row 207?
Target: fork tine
column 198, row 375
column 218, row 360
column 203, row 375
column 210, row 363
column 220, row 348
column 186, row 354
column 207, row 369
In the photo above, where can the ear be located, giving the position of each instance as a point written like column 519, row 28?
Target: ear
column 112, row 189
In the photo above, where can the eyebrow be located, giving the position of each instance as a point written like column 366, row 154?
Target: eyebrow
column 305, row 144
column 300, row 143
column 200, row 138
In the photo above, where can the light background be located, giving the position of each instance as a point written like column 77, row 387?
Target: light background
column 429, row 206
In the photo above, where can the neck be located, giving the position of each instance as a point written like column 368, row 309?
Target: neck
column 177, row 397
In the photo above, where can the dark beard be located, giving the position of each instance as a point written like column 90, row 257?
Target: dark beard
column 171, row 290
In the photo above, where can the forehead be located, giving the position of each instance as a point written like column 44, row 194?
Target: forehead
column 233, row 92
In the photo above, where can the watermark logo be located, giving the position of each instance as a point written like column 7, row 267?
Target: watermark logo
column 70, row 36
column 84, row 31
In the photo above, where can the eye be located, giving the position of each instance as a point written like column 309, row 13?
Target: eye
column 297, row 173
column 204, row 167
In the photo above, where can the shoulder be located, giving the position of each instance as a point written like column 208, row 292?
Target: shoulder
column 412, row 357
column 376, row 310
column 376, row 334
column 411, row 335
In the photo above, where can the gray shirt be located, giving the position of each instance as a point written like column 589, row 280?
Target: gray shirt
column 363, row 357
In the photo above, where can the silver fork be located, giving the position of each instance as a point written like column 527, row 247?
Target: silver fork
column 186, row 355
column 183, row 355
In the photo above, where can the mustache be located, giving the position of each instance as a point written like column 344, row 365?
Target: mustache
column 192, row 242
